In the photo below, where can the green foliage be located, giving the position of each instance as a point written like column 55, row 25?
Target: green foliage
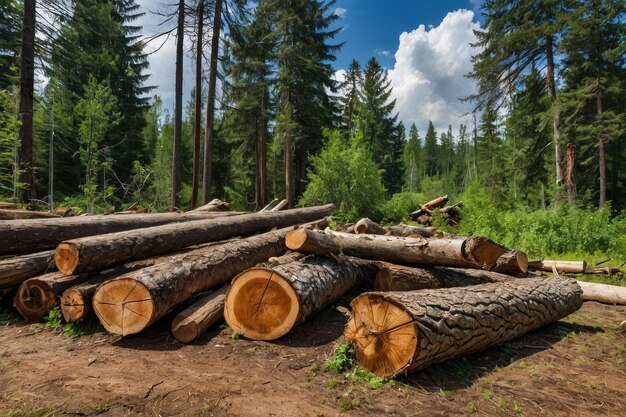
column 54, row 321
column 102, row 408
column 401, row 205
column 347, row 176
column 9, row 125
column 342, row 359
column 373, row 381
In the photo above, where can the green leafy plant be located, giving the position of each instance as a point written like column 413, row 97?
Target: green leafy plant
column 102, row 408
column 342, row 359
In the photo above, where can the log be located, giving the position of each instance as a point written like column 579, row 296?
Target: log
column 401, row 332
column 14, row 271
column 14, row 214
column 281, row 205
column 428, row 207
column 604, row 270
column 4, row 205
column 285, row 259
column 131, row 303
column 93, row 253
column 391, row 277
column 406, row 230
column 577, row 267
column 512, row 262
column 20, row 236
column 214, row 205
column 607, row 294
column 196, row 319
column 472, row 252
column 366, row 225
column 265, row 304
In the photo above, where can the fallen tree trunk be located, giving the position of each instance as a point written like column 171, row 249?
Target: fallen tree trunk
column 366, row 225
column 95, row 252
column 4, row 205
column 14, row 271
column 546, row 265
column 196, row 319
column 604, row 270
column 512, row 262
column 607, row 294
column 14, row 214
column 472, row 252
column 391, row 277
column 406, row 230
column 281, row 205
column 131, row 303
column 214, row 205
column 20, row 236
column 400, row 332
column 265, row 304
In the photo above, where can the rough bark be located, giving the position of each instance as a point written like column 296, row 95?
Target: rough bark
column 195, row 178
column 20, row 236
column 131, row 303
column 556, row 117
column 608, row 294
column 285, row 259
column 265, row 304
column 14, row 271
column 368, row 226
column 7, row 205
column 178, row 109
column 512, row 262
column 400, row 332
column 196, row 319
column 561, row 266
column 94, row 252
column 472, row 252
column 6, row 214
column 210, row 106
column 391, row 277
column 406, row 230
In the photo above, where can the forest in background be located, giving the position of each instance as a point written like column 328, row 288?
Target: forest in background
column 542, row 162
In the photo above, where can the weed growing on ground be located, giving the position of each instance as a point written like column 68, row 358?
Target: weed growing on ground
column 55, row 321
column 471, row 407
column 487, row 395
column 103, row 407
column 373, row 381
column 342, row 359
column 234, row 335
column 517, row 408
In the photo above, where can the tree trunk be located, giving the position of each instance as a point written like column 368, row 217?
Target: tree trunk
column 406, row 230
column 570, row 169
column 19, row 236
column 36, row 296
column 196, row 319
column 262, row 157
column 14, row 271
column 556, row 132
column 214, row 205
column 210, row 105
column 608, row 270
column 281, row 205
column 133, row 302
column 547, row 265
column 25, row 214
column 400, row 332
column 512, row 262
column 95, row 252
column 265, row 304
column 608, row 294
column 7, row 205
column 178, row 109
column 472, row 252
column 391, row 277
column 27, row 86
column 197, row 107
column 365, row 225
column 76, row 300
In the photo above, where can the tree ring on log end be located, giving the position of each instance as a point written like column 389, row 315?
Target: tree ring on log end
column 66, row 257
column 33, row 301
column 261, row 305
column 296, row 239
column 123, row 306
column 72, row 305
column 383, row 334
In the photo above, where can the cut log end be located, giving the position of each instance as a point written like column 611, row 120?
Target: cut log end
column 73, row 306
column 124, row 306
column 483, row 251
column 296, row 239
column 33, row 301
column 261, row 305
column 183, row 330
column 66, row 257
column 383, row 334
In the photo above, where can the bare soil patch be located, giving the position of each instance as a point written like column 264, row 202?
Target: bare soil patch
column 575, row 367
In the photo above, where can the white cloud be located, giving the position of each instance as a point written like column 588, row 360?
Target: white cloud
column 383, row 52
column 428, row 77
column 340, row 12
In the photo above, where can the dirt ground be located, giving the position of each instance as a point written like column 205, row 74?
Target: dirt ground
column 575, row 367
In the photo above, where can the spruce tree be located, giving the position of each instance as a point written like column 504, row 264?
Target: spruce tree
column 412, row 157
column 349, row 101
column 430, row 151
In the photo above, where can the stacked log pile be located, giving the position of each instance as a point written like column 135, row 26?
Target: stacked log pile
column 429, row 296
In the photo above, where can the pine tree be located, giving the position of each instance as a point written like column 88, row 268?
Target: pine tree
column 349, row 101
column 412, row 156
column 9, row 42
column 489, row 155
column 430, row 151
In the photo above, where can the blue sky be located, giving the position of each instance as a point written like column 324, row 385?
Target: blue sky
column 423, row 45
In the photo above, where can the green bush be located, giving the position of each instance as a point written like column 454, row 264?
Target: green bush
column 401, row 205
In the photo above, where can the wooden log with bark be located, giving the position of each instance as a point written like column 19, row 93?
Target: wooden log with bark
column 214, row 205
column 196, row 319
column 131, row 303
column 5, row 205
column 406, row 230
column 15, row 214
column 366, row 225
column 427, row 208
column 512, row 262
column 392, row 277
column 603, row 293
column 604, row 270
column 265, row 304
column 14, row 271
column 93, row 253
column 471, row 252
column 20, row 236
column 547, row 265
column 285, row 259
column 401, row 332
